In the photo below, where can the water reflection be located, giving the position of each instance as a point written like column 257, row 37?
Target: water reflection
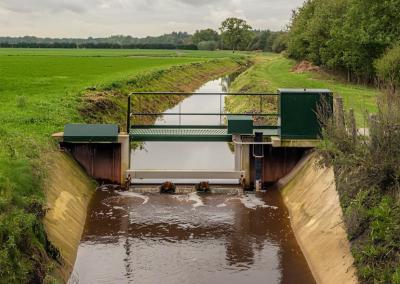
column 190, row 155
column 189, row 239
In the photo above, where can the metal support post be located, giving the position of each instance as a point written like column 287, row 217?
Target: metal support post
column 258, row 154
column 128, row 115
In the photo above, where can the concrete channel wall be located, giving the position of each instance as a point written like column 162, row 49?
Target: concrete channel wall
column 310, row 194
column 68, row 193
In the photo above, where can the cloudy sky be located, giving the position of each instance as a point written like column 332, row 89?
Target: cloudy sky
column 83, row 18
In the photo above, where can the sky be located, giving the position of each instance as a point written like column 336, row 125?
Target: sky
column 138, row 18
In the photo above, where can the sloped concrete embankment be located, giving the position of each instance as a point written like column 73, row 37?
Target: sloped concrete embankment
column 68, row 191
column 310, row 195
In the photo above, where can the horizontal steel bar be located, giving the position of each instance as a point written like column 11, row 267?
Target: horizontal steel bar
column 184, row 174
column 179, row 126
column 204, row 114
column 181, row 138
column 202, row 94
column 266, row 127
column 165, row 126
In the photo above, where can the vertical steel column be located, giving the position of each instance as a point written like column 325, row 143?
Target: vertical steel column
column 180, row 113
column 220, row 109
column 128, row 115
column 128, row 128
column 258, row 154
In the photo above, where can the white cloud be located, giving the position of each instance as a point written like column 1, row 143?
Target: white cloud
column 83, row 18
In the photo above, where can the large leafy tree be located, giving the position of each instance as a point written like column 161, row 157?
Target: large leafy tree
column 236, row 33
column 344, row 35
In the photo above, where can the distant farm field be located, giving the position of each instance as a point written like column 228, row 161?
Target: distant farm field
column 115, row 52
column 39, row 87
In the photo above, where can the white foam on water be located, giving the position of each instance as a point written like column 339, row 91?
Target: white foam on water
column 221, row 205
column 181, row 197
column 192, row 197
column 119, row 208
column 134, row 195
column 196, row 199
column 251, row 201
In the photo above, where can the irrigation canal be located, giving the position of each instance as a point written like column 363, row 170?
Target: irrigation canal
column 135, row 237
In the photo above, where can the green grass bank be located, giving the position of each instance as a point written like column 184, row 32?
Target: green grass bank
column 273, row 71
column 41, row 90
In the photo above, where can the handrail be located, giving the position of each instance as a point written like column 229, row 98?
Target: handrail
column 221, row 114
column 201, row 114
column 191, row 126
column 202, row 94
column 184, row 126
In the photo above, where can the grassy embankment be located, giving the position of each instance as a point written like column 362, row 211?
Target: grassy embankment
column 275, row 71
column 366, row 172
column 40, row 91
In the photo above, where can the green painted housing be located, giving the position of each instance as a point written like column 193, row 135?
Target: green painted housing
column 240, row 124
column 91, row 132
column 298, row 112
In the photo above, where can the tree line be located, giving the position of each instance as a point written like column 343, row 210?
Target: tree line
column 348, row 36
column 174, row 40
column 234, row 34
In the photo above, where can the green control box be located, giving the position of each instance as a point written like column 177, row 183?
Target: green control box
column 238, row 124
column 298, row 112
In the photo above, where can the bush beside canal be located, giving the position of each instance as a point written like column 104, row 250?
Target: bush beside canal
column 367, row 176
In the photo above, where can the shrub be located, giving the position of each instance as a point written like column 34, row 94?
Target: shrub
column 367, row 176
column 280, row 43
column 388, row 69
column 208, row 45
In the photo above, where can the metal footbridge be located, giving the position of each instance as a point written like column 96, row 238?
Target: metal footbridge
column 190, row 133
column 291, row 116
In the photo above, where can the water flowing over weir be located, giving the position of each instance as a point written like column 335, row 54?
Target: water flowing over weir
column 133, row 237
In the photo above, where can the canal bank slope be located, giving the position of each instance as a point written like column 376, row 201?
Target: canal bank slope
column 68, row 193
column 316, row 217
column 69, row 189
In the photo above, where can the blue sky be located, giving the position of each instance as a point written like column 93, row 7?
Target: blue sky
column 83, row 18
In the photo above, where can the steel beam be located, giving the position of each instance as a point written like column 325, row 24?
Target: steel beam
column 183, row 174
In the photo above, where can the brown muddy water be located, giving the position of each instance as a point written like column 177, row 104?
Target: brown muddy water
column 190, row 238
column 142, row 238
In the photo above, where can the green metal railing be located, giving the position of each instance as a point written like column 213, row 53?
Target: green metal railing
column 256, row 115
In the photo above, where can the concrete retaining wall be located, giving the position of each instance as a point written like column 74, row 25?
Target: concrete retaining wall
column 310, row 194
column 68, row 193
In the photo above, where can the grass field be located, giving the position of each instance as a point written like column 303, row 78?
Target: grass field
column 117, row 52
column 40, row 91
column 275, row 71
